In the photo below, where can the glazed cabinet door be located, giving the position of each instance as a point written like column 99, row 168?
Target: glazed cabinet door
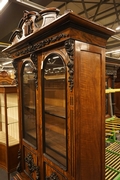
column 29, row 120
column 29, row 104
column 54, row 116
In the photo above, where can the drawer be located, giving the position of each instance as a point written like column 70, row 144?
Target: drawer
column 53, row 174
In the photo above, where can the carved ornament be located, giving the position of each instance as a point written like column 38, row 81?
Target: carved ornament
column 29, row 23
column 32, row 167
column 15, row 71
column 69, row 46
column 41, row 44
column 33, row 57
column 26, row 26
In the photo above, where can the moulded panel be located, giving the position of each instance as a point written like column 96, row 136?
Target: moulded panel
column 91, row 111
column 51, row 173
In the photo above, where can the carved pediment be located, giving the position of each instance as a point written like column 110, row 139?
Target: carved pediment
column 29, row 23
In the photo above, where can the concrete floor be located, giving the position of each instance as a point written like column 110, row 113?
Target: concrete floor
column 3, row 175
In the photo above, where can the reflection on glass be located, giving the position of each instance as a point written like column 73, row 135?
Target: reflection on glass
column 2, row 119
column 9, row 118
column 55, row 108
column 12, row 120
column 29, row 104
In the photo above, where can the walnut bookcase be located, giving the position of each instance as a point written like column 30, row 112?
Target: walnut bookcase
column 60, row 72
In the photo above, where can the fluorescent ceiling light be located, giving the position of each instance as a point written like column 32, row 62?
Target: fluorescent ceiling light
column 9, row 62
column 118, row 28
column 2, row 44
column 31, row 4
column 3, row 3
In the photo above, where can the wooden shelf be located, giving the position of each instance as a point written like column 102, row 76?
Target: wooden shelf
column 55, row 111
column 12, row 141
column 32, row 133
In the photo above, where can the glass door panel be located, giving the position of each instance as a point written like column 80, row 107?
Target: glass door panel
column 29, row 103
column 54, row 90
column 2, row 119
column 12, row 118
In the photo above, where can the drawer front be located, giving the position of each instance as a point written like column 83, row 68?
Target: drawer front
column 53, row 174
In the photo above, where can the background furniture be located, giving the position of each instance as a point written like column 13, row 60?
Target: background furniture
column 9, row 131
column 113, row 81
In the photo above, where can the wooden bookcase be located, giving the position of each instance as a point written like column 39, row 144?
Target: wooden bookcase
column 63, row 99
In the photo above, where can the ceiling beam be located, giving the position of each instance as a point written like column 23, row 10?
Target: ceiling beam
column 96, row 12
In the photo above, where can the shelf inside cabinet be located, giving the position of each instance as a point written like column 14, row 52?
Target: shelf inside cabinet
column 10, row 120
column 55, row 111
column 55, row 77
column 12, row 141
column 52, row 141
column 56, row 148
column 32, row 133
column 30, row 107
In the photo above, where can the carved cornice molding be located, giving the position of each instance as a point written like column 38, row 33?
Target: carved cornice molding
column 69, row 46
column 41, row 44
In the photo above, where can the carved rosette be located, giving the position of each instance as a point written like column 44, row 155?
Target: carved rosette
column 33, row 57
column 69, row 46
column 32, row 167
column 15, row 72
column 53, row 176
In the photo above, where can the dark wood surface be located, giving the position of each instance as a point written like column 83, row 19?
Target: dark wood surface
column 81, row 44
